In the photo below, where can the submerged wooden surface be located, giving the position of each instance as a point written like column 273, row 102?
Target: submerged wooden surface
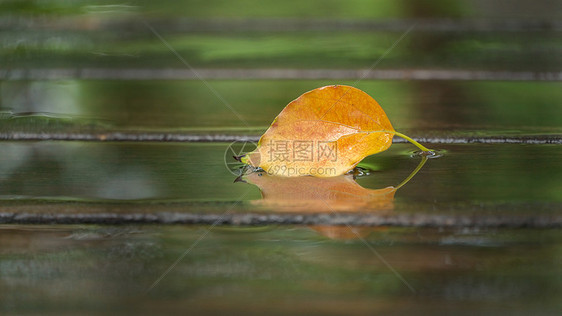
column 260, row 219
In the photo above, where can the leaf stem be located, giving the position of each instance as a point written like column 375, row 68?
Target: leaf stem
column 408, row 138
column 418, row 168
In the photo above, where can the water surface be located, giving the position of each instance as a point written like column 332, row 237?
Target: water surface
column 278, row 270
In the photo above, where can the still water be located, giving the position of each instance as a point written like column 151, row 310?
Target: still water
column 466, row 174
column 278, row 270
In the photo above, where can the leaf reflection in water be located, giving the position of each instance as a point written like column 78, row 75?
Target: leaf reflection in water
column 308, row 194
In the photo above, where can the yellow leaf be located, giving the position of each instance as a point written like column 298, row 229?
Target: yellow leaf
column 325, row 133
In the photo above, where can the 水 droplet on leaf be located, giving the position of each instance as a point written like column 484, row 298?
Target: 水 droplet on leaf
column 325, row 133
